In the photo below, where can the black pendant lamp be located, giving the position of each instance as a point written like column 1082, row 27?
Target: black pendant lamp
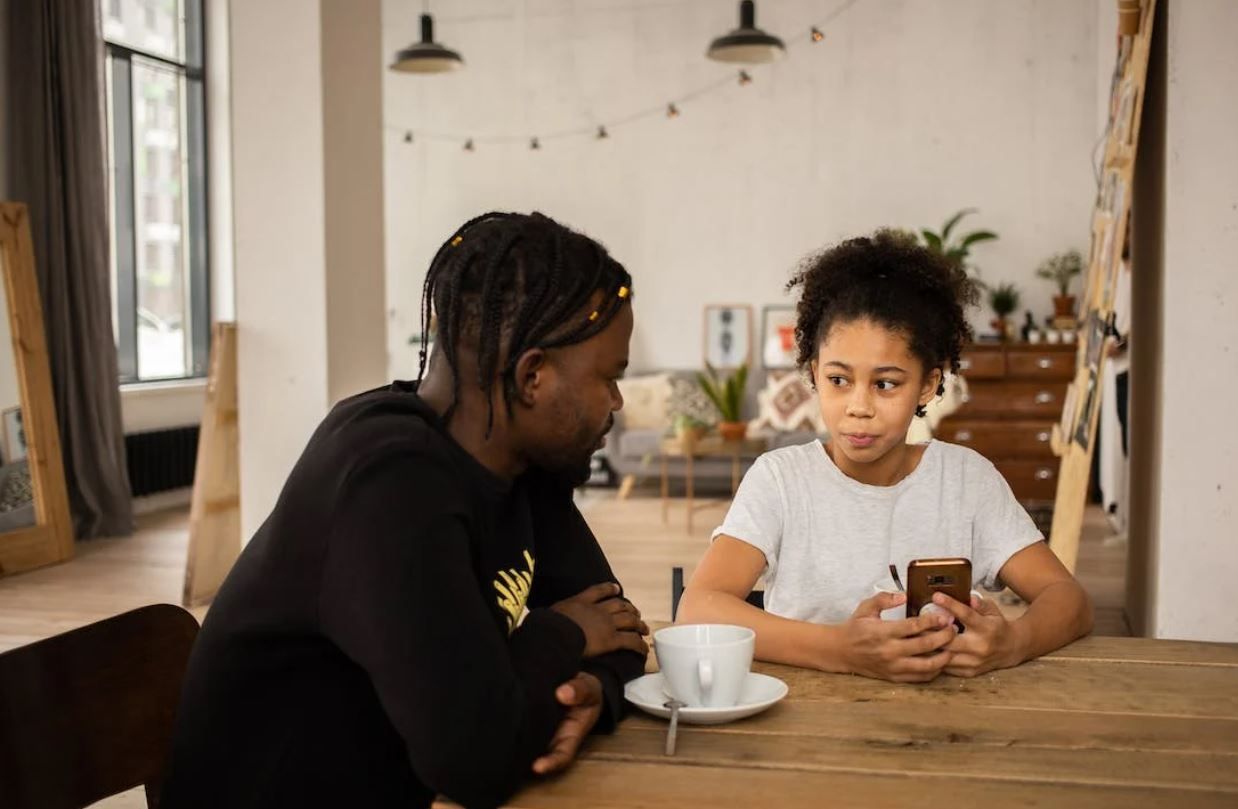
column 427, row 56
column 747, row 44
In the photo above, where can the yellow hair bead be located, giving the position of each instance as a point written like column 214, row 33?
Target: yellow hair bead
column 593, row 316
column 456, row 241
column 624, row 292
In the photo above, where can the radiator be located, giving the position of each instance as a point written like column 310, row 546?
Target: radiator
column 161, row 460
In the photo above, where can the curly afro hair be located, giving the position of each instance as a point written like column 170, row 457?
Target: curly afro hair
column 889, row 279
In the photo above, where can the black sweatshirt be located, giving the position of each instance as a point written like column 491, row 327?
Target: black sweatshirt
column 364, row 649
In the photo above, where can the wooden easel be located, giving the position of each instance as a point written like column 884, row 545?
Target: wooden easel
column 1074, row 438
column 215, row 513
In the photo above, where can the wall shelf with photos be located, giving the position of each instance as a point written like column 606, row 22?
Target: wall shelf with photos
column 1074, row 435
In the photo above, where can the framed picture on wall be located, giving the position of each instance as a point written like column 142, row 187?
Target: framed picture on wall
column 1096, row 339
column 778, row 336
column 728, row 335
column 1083, row 425
column 14, row 434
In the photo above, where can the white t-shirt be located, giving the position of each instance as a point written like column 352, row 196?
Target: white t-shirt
column 828, row 539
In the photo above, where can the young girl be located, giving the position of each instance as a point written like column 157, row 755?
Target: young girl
column 878, row 323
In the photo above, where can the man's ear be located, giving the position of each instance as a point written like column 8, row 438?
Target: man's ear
column 529, row 375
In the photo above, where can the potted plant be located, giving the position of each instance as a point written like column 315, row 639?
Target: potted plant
column 1061, row 270
column 689, row 429
column 1003, row 300
column 728, row 396
column 956, row 247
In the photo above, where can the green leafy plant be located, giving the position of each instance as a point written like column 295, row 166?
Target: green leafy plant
column 684, row 422
column 727, row 393
column 956, row 247
column 1061, row 269
column 1003, row 299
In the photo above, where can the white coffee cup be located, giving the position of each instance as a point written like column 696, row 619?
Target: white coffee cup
column 705, row 665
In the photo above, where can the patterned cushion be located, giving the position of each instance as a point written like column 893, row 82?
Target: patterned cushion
column 15, row 490
column 687, row 399
column 787, row 403
column 645, row 401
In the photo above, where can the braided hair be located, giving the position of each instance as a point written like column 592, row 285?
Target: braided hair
column 891, row 280
column 510, row 283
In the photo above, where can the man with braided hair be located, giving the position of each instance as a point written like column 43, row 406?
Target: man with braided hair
column 425, row 611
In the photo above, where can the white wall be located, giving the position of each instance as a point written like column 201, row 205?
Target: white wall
column 1197, row 532
column 277, row 159
column 907, row 112
column 307, row 225
column 219, row 159
column 352, row 122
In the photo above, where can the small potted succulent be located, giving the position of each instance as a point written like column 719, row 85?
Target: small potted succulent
column 689, row 429
column 727, row 394
column 1003, row 300
column 1061, row 270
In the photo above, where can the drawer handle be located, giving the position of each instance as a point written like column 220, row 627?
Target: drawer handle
column 1042, row 437
column 962, row 435
column 1044, row 474
column 1045, row 362
column 1044, row 397
column 964, row 365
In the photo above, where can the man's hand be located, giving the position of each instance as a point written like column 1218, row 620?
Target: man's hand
column 912, row 650
column 609, row 622
column 989, row 643
column 583, row 697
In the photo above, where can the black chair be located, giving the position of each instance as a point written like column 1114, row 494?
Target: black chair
column 756, row 598
column 89, row 713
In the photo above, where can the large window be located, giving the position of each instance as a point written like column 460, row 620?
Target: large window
column 156, row 152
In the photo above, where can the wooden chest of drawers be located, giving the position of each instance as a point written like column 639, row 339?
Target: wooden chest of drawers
column 1015, row 395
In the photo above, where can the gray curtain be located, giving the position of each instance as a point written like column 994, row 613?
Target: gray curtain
column 57, row 166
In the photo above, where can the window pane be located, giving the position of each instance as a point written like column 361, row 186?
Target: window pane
column 159, row 216
column 153, row 26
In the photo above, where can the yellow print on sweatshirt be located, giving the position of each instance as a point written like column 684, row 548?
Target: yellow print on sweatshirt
column 513, row 588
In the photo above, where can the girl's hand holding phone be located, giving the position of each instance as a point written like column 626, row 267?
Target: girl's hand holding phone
column 989, row 642
column 913, row 650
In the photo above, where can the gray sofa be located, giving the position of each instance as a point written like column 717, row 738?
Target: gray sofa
column 635, row 452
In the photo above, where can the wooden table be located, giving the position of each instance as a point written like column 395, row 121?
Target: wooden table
column 1122, row 722
column 708, row 447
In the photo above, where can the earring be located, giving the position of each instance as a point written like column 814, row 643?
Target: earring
column 920, row 411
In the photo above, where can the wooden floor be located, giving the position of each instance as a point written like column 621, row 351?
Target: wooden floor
column 110, row 576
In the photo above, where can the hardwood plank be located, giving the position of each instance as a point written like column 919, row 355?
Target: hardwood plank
column 1186, row 770
column 1076, row 685
column 607, row 784
column 1145, row 650
column 981, row 726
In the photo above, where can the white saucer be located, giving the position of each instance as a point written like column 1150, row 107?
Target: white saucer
column 759, row 692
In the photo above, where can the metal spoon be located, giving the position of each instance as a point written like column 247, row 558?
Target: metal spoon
column 674, row 705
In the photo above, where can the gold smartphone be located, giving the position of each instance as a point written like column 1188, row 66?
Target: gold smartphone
column 927, row 576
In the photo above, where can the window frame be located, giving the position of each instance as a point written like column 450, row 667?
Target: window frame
column 118, row 67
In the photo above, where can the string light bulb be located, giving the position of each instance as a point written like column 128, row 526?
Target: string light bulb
column 602, row 133
column 408, row 137
column 468, row 145
column 672, row 111
column 744, row 78
column 535, row 144
column 817, row 36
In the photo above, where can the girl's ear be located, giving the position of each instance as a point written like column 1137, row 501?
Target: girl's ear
column 932, row 384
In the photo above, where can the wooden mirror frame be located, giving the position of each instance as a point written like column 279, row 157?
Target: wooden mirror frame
column 50, row 539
